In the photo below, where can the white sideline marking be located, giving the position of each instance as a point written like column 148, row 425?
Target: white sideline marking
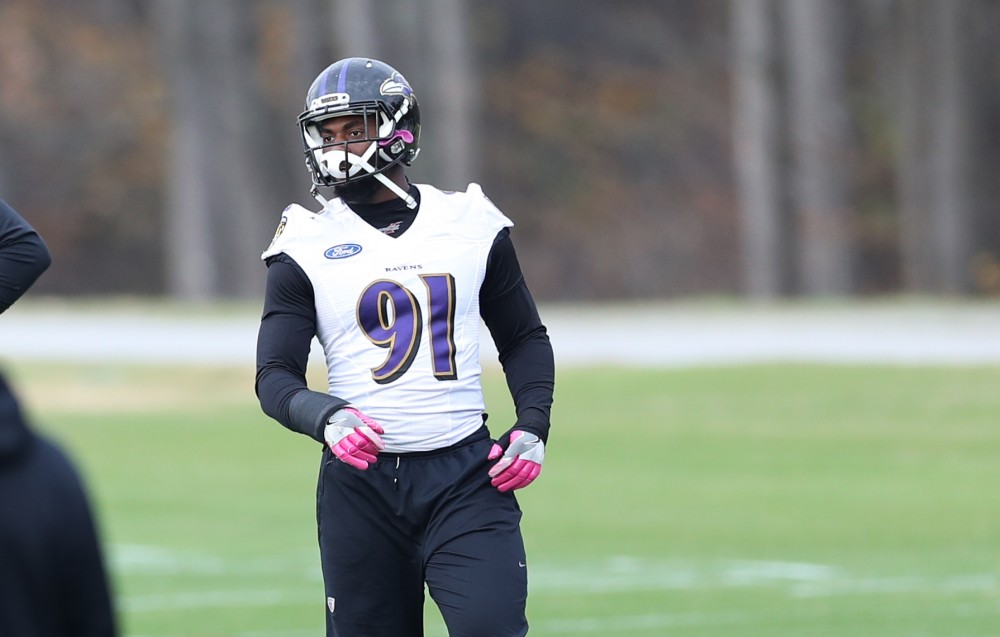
column 616, row 624
column 622, row 574
column 984, row 582
column 216, row 599
column 613, row 575
column 796, row 579
column 144, row 559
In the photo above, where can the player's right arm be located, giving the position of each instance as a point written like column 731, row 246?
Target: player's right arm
column 23, row 256
column 287, row 326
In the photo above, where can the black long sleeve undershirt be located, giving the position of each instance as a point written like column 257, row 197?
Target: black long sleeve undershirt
column 23, row 256
column 522, row 342
column 506, row 306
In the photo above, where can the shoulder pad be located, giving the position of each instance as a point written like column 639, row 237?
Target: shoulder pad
column 489, row 208
column 291, row 218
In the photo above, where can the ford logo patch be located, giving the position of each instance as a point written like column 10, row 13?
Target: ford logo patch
column 342, row 251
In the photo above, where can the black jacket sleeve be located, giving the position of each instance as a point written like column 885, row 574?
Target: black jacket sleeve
column 522, row 341
column 23, row 256
column 287, row 327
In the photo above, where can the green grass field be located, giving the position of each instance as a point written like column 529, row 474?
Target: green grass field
column 753, row 501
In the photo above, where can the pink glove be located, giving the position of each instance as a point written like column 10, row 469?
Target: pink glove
column 521, row 462
column 353, row 437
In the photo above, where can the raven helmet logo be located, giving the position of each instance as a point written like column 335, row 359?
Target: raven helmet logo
column 396, row 85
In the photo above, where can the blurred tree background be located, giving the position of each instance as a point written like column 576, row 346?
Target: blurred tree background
column 644, row 148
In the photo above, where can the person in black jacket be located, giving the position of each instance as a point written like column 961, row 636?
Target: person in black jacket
column 23, row 256
column 53, row 581
column 52, row 574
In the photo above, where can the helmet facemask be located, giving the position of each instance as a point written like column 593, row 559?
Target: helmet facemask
column 334, row 165
column 381, row 96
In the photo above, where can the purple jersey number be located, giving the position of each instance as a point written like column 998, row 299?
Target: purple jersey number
column 390, row 317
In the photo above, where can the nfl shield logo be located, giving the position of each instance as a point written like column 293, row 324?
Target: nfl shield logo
column 330, row 603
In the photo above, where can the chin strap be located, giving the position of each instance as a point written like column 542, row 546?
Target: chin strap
column 366, row 165
column 411, row 203
column 314, row 191
column 396, row 190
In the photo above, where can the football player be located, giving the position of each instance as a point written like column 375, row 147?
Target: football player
column 393, row 279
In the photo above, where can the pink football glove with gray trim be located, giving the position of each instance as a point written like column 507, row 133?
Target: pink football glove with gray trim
column 353, row 437
column 520, row 464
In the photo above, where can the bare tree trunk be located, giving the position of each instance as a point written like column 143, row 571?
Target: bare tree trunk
column 315, row 30
column 934, row 148
column 757, row 143
column 354, row 29
column 820, row 138
column 914, row 153
column 952, row 206
column 245, row 205
column 407, row 51
column 452, row 60
column 191, row 271
column 311, row 52
column 221, row 208
column 431, row 47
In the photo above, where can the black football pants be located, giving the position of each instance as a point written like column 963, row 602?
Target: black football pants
column 423, row 517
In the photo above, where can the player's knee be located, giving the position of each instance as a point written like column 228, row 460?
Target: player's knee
column 482, row 627
column 493, row 618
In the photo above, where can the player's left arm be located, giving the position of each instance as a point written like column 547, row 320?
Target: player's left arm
column 525, row 353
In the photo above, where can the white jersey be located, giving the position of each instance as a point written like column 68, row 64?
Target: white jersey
column 398, row 317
